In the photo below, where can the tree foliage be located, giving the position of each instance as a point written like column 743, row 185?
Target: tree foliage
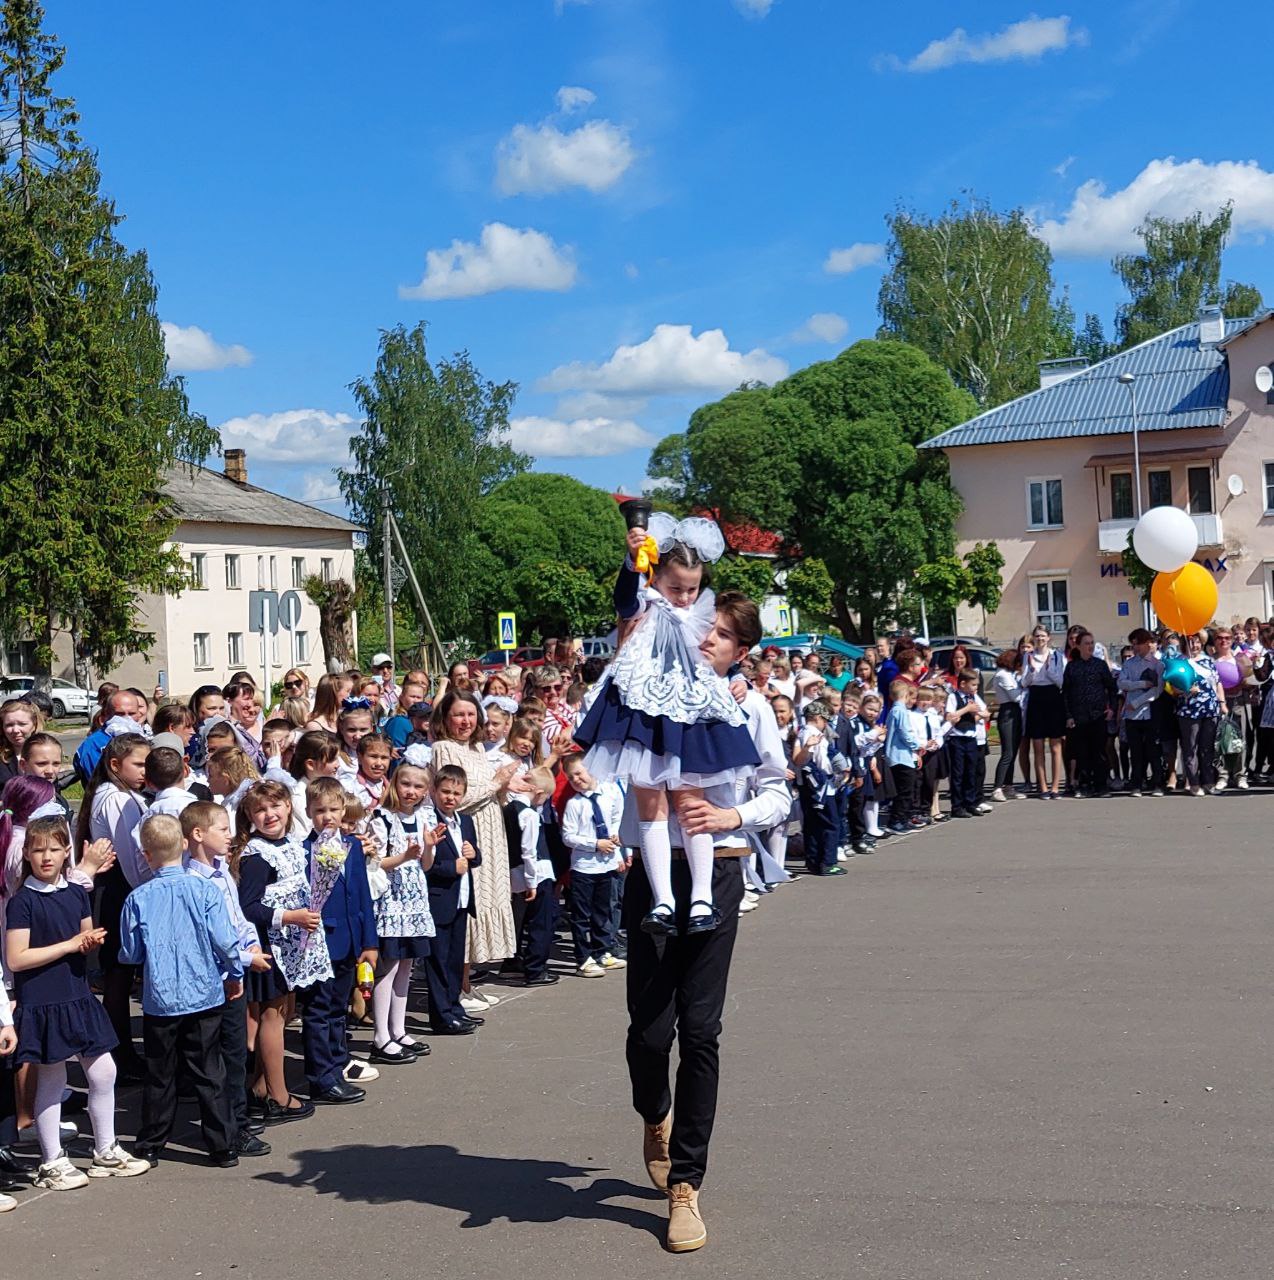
column 973, row 289
column 1177, row 272
column 434, row 436
column 752, row 575
column 809, row 589
column 90, row 420
column 828, row 458
column 984, row 562
column 944, row 582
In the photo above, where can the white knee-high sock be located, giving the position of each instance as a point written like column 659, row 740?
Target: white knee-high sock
column 398, row 1000
column 50, row 1080
column 871, row 817
column 382, row 995
column 656, row 857
column 100, row 1074
column 699, row 854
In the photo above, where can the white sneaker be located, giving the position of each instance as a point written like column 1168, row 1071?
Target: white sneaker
column 7, row 1203
column 998, row 795
column 1136, row 794
column 1220, row 785
column 749, row 904
column 115, row 1162
column 357, row 1072
column 591, row 969
column 984, row 808
column 489, row 998
column 1243, row 784
column 60, row 1175
column 472, row 1003
column 613, row 962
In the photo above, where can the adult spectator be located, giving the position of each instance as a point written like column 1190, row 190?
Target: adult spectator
column 837, row 676
column 120, row 703
column 296, row 684
column 960, row 661
column 550, row 686
column 1091, row 696
column 383, row 674
column 891, row 668
column 245, row 719
column 331, row 690
column 1232, row 670
column 1197, row 714
column 1042, row 676
column 1141, row 683
column 1007, row 686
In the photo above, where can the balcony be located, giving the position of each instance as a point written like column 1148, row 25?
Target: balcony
column 1112, row 535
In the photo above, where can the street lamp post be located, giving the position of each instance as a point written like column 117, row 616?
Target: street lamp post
column 1129, row 380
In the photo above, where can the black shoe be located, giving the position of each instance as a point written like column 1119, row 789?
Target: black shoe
column 12, row 1170
column 659, row 922
column 705, row 923
column 545, row 979
column 248, row 1144
column 338, row 1094
column 256, row 1110
column 961, row 813
column 418, row 1047
column 275, row 1114
column 149, row 1154
column 381, row 1058
column 456, row 1028
column 473, row 1020
column 513, row 966
column 836, row 871
column 223, row 1159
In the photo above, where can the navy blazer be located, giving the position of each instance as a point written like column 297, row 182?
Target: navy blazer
column 348, row 919
column 444, row 884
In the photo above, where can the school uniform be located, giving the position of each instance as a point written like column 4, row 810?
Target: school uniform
column 451, row 902
column 589, row 817
column 962, row 754
column 531, row 867
column 901, row 744
column 349, row 925
column 819, row 825
column 860, row 789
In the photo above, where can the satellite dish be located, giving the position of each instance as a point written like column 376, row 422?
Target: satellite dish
column 1264, row 379
column 1235, row 483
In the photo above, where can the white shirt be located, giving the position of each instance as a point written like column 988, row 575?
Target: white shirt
column 534, row 870
column 457, row 838
column 115, row 816
column 1007, row 686
column 579, row 831
column 172, row 801
column 1048, row 670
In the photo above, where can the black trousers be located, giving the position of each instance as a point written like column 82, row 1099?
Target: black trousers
column 1144, row 749
column 857, row 823
column 962, row 758
column 1008, row 719
column 445, row 967
column 676, row 991
column 818, row 832
column 1089, row 743
column 194, row 1041
column 540, row 924
column 323, row 1006
column 233, row 1038
column 593, row 916
column 904, row 803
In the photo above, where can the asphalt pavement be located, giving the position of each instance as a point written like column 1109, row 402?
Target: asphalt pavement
column 1032, row 1045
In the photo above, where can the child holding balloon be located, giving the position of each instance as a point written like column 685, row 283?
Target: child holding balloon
column 1198, row 710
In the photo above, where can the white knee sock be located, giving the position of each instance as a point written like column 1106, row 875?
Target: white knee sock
column 699, row 853
column 100, row 1074
column 50, row 1080
column 871, row 817
column 398, row 1000
column 382, row 995
column 656, row 857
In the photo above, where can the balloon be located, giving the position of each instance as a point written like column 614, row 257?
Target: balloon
column 1185, row 600
column 1178, row 676
column 1164, row 539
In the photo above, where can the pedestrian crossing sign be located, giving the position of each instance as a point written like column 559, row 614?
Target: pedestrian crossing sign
column 785, row 620
column 508, row 631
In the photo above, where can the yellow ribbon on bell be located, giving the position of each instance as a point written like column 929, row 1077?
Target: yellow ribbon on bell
column 647, row 557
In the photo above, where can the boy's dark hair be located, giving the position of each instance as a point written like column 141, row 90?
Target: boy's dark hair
column 200, row 814
column 451, row 773
column 323, row 789
column 172, row 715
column 744, row 616
column 278, row 725
column 967, row 676
column 1139, row 635
column 222, row 729
column 165, row 767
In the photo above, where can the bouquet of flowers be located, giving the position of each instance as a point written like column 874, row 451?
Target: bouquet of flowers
column 326, row 863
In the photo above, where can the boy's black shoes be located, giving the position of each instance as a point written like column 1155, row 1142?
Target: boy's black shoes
column 338, row 1094
column 223, row 1159
column 248, row 1144
column 455, row 1028
column 545, row 979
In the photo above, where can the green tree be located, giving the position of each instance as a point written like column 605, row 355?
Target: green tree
column 808, row 587
column 752, row 575
column 973, row 289
column 90, row 420
column 829, row 459
column 984, row 561
column 1177, row 272
column 943, row 583
column 1140, row 575
column 434, row 440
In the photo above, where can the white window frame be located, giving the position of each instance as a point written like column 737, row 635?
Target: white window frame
column 1110, row 494
column 233, row 571
column 326, row 567
column 276, row 650
column 234, row 649
column 298, row 571
column 1050, row 576
column 202, row 650
column 1047, row 524
column 1267, row 485
column 199, row 571
column 274, row 573
column 302, row 648
column 1211, row 489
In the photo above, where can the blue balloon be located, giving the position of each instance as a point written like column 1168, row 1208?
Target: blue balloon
column 1179, row 675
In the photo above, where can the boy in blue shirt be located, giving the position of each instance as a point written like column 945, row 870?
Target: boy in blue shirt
column 176, row 927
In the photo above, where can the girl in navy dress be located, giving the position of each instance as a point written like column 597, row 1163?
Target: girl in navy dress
column 404, row 922
column 50, row 932
column 270, row 865
column 664, row 722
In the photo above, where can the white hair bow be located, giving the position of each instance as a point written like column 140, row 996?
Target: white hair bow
column 49, row 809
column 117, row 725
column 700, row 535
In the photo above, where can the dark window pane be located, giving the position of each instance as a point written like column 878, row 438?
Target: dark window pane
column 1121, row 496
column 1200, row 485
column 1055, row 502
column 1160, row 488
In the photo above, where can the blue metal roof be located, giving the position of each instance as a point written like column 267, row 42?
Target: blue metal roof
column 1178, row 385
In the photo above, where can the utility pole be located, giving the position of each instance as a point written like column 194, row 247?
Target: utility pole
column 387, row 565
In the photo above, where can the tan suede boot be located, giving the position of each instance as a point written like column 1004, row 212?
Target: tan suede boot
column 654, row 1151
column 686, row 1231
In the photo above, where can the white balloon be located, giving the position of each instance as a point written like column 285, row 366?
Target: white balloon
column 1165, row 538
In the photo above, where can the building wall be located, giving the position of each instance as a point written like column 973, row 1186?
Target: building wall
column 992, row 480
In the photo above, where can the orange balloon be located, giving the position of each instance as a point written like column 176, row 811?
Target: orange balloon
column 1186, row 599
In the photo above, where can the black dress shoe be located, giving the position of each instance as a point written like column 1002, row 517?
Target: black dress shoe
column 545, row 979
column 12, row 1170
column 452, row 1028
column 473, row 1020
column 248, row 1144
column 223, row 1159
column 149, row 1154
column 338, row 1094
column 404, row 1055
column 275, row 1114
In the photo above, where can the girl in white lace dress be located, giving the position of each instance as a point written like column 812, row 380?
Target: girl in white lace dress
column 663, row 720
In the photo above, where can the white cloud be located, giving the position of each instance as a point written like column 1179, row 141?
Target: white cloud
column 504, row 258
column 582, row 438
column 598, row 404
column 1062, row 169
column 319, row 487
column 754, row 8
column 540, row 159
column 670, row 361
column 822, row 326
column 295, row 435
column 840, row 262
column 192, row 349
column 572, row 98
column 1028, row 40
column 1098, row 224
column 631, row 271
column 560, row 6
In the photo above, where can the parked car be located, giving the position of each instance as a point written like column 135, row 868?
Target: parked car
column 981, row 657
column 68, row 699
column 597, row 647
column 526, row 656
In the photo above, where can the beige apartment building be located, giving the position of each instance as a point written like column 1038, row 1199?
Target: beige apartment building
column 237, row 539
column 1050, row 477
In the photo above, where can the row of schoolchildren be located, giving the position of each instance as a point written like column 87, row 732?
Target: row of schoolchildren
column 863, row 777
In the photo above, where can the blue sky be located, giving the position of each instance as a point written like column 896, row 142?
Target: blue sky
column 625, row 206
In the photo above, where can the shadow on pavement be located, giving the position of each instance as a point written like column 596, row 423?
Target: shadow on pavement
column 484, row 1188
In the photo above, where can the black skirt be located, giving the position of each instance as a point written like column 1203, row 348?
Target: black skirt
column 1045, row 713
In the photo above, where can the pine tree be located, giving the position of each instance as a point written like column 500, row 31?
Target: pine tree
column 90, row 420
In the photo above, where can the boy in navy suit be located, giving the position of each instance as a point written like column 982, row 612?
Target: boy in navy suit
column 451, row 901
column 350, row 926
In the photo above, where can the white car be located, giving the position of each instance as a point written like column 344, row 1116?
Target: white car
column 68, row 699
column 597, row 647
